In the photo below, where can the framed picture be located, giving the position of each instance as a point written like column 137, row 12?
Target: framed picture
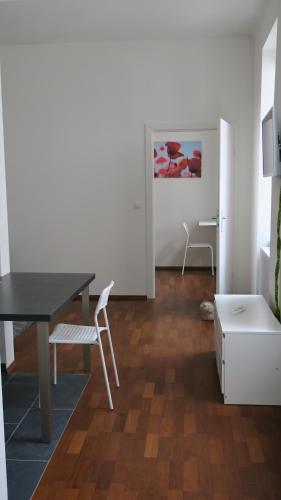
column 177, row 159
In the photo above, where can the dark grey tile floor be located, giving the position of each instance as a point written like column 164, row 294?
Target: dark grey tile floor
column 27, row 457
column 20, row 326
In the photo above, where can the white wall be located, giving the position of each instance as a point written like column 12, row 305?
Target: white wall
column 6, row 327
column 268, row 83
column 271, row 12
column 189, row 200
column 263, row 285
column 74, row 126
column 264, row 184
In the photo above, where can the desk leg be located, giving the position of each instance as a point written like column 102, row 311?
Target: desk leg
column 86, row 321
column 44, row 380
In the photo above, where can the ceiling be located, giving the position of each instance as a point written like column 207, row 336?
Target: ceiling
column 35, row 21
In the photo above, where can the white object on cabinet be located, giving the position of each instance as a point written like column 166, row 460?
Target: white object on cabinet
column 248, row 350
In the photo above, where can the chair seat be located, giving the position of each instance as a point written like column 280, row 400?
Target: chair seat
column 74, row 334
column 199, row 245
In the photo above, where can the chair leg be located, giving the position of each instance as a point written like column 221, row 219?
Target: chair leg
column 184, row 259
column 111, row 347
column 105, row 375
column 212, row 257
column 55, row 364
column 113, row 358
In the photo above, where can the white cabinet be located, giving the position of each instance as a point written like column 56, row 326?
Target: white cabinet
column 248, row 350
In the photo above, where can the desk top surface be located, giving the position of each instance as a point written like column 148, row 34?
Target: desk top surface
column 246, row 314
column 38, row 296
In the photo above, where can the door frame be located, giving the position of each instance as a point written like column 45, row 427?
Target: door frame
column 150, row 129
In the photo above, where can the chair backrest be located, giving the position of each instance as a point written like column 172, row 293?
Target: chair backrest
column 187, row 231
column 103, row 299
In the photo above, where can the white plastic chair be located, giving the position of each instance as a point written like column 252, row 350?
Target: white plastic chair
column 195, row 245
column 79, row 334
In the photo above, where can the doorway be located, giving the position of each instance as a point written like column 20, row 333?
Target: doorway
column 170, row 201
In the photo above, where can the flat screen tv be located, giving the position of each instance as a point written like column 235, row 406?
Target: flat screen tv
column 271, row 145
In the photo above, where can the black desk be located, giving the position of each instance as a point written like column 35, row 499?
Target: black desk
column 39, row 297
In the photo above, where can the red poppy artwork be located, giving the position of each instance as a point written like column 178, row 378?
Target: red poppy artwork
column 182, row 159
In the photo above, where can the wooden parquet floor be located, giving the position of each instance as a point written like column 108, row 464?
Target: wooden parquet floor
column 169, row 437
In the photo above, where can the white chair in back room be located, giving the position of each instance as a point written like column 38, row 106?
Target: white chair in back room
column 195, row 245
column 91, row 335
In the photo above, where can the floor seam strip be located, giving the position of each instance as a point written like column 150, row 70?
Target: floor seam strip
column 25, row 460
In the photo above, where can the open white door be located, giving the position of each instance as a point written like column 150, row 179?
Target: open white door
column 225, row 210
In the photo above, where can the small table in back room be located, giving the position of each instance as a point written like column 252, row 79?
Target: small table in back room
column 40, row 297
